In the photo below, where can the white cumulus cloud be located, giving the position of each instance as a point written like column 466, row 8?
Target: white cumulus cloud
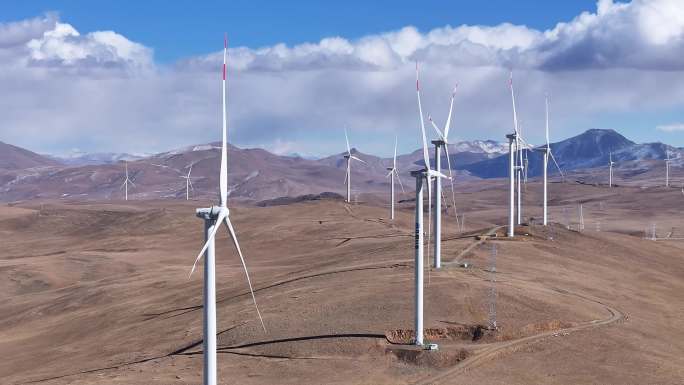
column 673, row 127
column 102, row 91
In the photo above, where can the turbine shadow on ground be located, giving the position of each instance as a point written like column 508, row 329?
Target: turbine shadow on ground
column 188, row 309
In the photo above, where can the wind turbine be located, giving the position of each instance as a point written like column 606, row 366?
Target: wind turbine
column 188, row 183
column 391, row 174
column 610, row 165
column 516, row 164
column 127, row 181
column 519, row 168
column 513, row 141
column 547, row 154
column 425, row 174
column 667, row 168
column 349, row 157
column 214, row 217
column 439, row 144
column 546, row 162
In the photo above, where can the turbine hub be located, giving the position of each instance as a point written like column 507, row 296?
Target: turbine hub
column 418, row 173
column 209, row 212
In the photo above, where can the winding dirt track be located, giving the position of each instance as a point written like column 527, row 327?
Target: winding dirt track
column 492, row 350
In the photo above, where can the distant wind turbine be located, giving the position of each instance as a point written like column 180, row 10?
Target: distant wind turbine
column 440, row 143
column 391, row 174
column 513, row 143
column 610, row 165
column 127, row 181
column 214, row 217
column 349, row 157
column 188, row 183
column 547, row 154
column 667, row 168
column 518, row 160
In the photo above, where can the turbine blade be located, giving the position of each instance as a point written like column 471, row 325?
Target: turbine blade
column 222, row 215
column 556, row 163
column 355, row 158
column 515, row 115
column 394, row 162
column 426, row 155
column 244, row 266
column 547, row 122
column 399, row 179
column 223, row 178
column 451, row 179
column 451, row 108
column 436, row 129
column 191, row 186
column 389, row 173
column 346, row 138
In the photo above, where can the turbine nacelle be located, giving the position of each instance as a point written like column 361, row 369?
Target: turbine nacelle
column 437, row 174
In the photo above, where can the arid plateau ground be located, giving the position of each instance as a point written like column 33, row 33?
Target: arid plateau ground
column 98, row 293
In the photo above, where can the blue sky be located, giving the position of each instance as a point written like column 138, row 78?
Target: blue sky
column 142, row 77
column 176, row 29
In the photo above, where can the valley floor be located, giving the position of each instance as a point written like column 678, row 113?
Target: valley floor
column 98, row 293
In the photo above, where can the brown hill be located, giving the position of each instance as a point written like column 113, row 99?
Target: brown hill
column 17, row 158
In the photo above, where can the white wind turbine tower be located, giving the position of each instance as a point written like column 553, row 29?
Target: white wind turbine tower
column 127, row 181
column 391, row 174
column 188, row 183
column 425, row 174
column 214, row 217
column 440, row 143
column 349, row 157
column 610, row 165
column 667, row 168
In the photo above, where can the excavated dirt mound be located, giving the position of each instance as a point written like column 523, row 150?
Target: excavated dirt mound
column 451, row 333
column 432, row 359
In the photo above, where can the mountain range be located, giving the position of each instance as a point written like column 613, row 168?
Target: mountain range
column 588, row 150
column 80, row 158
column 256, row 174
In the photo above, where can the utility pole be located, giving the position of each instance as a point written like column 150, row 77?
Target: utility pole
column 492, row 288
